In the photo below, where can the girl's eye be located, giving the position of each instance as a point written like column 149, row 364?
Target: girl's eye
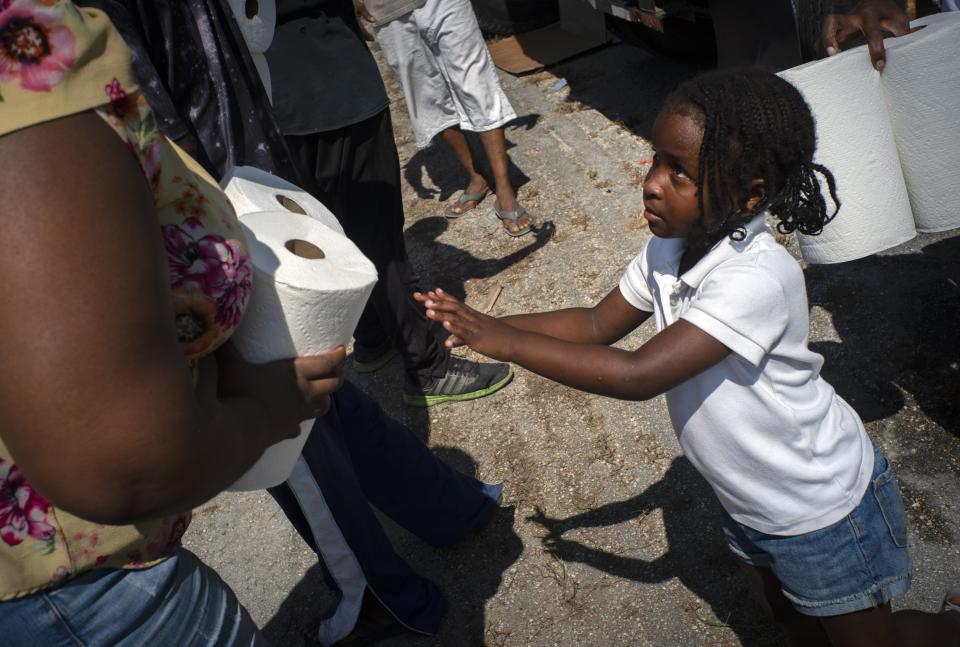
column 679, row 172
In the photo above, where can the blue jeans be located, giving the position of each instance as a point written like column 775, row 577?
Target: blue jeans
column 857, row 563
column 179, row 602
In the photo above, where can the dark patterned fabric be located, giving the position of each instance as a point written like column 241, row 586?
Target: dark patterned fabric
column 195, row 71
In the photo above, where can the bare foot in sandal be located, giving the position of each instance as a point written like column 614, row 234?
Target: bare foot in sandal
column 468, row 199
column 514, row 218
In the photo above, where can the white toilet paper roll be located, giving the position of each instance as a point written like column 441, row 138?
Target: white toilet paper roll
column 310, row 287
column 251, row 190
column 855, row 141
column 257, row 20
column 942, row 18
column 922, row 87
column 263, row 69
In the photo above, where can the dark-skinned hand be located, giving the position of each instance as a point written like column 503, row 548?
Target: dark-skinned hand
column 290, row 390
column 485, row 334
column 872, row 19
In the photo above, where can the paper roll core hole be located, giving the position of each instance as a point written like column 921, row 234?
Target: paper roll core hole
column 290, row 204
column 304, row 249
column 251, row 8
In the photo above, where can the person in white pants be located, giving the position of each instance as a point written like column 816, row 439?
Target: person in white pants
column 438, row 55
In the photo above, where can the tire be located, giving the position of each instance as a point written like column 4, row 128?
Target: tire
column 508, row 17
column 686, row 40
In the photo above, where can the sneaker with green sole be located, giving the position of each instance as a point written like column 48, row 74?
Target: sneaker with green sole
column 464, row 380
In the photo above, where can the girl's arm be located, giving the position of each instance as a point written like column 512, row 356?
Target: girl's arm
column 676, row 354
column 97, row 403
column 605, row 323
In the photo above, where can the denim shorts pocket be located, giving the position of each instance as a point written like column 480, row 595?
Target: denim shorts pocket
column 887, row 493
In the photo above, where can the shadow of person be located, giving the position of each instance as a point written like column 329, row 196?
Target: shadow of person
column 455, row 265
column 440, row 165
column 697, row 554
column 896, row 316
column 295, row 622
column 631, row 99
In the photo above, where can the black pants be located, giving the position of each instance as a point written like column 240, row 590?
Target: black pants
column 355, row 172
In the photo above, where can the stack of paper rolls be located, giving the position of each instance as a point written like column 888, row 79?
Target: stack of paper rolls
column 890, row 139
column 310, row 285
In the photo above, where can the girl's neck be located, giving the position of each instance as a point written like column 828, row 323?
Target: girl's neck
column 697, row 248
column 691, row 256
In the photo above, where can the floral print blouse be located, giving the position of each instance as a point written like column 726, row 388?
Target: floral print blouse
column 57, row 60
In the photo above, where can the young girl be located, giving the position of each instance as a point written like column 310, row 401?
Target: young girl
column 811, row 505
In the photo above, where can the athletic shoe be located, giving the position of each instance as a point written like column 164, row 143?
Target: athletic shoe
column 464, row 380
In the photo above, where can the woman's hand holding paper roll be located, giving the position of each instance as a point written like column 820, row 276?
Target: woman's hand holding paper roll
column 289, row 390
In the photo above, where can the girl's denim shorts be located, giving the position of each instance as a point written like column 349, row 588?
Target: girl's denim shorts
column 857, row 563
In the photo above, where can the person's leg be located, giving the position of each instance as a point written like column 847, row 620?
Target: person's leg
column 430, row 105
column 360, row 167
column 429, row 101
column 324, row 501
column 476, row 183
column 880, row 627
column 846, row 574
column 495, row 146
column 355, row 172
column 405, row 480
column 801, row 630
column 316, row 159
column 180, row 601
column 466, row 64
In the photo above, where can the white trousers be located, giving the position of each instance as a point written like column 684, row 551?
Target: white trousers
column 438, row 56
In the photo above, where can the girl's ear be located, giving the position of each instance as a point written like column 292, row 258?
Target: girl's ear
column 758, row 191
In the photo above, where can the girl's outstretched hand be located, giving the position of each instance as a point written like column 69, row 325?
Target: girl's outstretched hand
column 482, row 333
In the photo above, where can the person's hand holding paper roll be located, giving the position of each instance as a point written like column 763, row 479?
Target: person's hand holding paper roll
column 290, row 390
column 873, row 19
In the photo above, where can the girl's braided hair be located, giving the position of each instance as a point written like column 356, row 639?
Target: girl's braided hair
column 755, row 125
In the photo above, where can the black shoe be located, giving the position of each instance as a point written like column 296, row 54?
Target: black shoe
column 464, row 380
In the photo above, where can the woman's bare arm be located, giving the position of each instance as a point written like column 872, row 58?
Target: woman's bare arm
column 97, row 403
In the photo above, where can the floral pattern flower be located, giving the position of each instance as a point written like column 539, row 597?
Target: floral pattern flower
column 23, row 512
column 238, row 286
column 192, row 203
column 217, row 267
column 195, row 318
column 34, row 47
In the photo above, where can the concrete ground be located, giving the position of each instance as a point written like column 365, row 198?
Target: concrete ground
column 607, row 535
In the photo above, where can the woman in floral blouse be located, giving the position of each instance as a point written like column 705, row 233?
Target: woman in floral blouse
column 121, row 408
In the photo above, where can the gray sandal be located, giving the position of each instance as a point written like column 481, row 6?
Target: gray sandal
column 462, row 200
column 512, row 216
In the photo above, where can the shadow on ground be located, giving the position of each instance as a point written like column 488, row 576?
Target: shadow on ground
column 452, row 266
column 912, row 302
column 697, row 554
column 444, row 171
column 632, row 101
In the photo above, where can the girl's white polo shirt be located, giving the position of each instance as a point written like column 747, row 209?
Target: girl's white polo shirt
column 784, row 453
